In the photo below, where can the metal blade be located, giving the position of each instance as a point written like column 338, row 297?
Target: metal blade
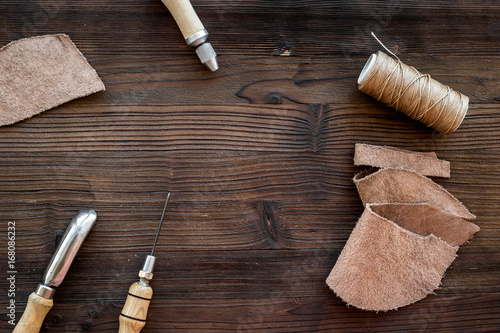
column 71, row 242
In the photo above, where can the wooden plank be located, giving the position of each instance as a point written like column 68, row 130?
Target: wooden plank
column 239, row 128
column 260, row 291
column 297, row 28
column 125, row 226
column 142, row 64
column 152, row 79
column 229, row 274
column 450, row 313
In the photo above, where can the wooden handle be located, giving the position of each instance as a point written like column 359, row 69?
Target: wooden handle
column 34, row 314
column 185, row 16
column 135, row 310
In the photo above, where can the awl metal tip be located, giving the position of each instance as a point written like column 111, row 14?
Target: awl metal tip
column 160, row 225
column 212, row 64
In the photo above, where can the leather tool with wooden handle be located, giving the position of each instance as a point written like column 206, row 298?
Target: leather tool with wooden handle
column 134, row 312
column 40, row 301
column 193, row 31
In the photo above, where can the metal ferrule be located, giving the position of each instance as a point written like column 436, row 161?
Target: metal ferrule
column 146, row 273
column 197, row 38
column 207, row 56
column 45, row 291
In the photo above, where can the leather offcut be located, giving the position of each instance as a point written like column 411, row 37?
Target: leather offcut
column 424, row 163
column 407, row 236
column 397, row 255
column 402, row 186
column 40, row 73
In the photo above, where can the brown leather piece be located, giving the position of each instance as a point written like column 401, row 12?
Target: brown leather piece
column 40, row 73
column 384, row 266
column 402, row 186
column 425, row 219
column 426, row 164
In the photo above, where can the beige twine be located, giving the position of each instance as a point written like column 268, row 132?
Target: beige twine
column 417, row 95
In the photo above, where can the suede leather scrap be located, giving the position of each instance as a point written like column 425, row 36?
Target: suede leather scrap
column 408, row 234
column 395, row 185
column 40, row 73
column 423, row 163
column 392, row 259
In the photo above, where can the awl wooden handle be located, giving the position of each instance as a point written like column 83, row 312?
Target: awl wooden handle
column 34, row 314
column 135, row 310
column 185, row 16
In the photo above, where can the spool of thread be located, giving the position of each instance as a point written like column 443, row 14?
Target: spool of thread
column 417, row 95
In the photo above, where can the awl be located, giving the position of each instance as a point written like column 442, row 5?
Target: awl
column 193, row 31
column 40, row 301
column 134, row 312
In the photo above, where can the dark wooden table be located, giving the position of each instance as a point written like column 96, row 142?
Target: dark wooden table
column 258, row 157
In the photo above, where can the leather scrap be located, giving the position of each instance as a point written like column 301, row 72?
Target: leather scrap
column 424, row 219
column 40, row 73
column 402, row 186
column 397, row 255
column 423, row 163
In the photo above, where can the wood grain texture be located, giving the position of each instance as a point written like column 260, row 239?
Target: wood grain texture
column 258, row 157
